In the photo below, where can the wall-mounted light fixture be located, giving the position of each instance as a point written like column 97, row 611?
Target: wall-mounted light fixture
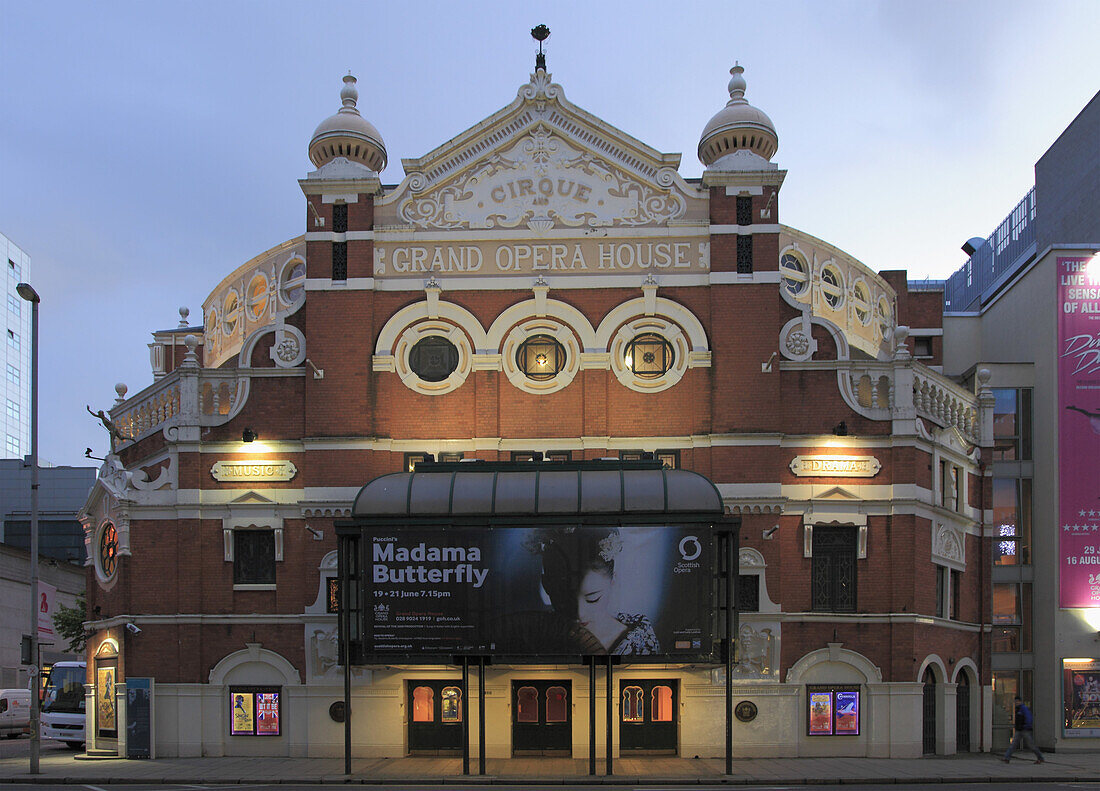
column 248, row 435
column 769, row 533
column 766, row 368
column 318, row 535
column 841, row 429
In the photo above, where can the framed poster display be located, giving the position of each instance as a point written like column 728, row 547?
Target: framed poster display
column 1081, row 697
column 832, row 710
column 254, row 711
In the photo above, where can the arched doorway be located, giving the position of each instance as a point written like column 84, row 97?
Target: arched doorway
column 962, row 713
column 928, row 720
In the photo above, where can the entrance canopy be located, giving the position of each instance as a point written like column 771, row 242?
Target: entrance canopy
column 539, row 489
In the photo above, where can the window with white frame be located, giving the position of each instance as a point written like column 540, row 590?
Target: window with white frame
column 254, row 550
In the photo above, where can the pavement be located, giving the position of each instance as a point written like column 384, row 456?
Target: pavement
column 63, row 767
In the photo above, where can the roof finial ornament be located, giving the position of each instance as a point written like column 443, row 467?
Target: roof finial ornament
column 737, row 83
column 349, row 95
column 540, row 33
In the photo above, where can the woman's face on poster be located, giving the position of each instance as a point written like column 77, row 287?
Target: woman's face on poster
column 594, row 599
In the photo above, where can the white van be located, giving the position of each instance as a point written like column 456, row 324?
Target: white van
column 15, row 712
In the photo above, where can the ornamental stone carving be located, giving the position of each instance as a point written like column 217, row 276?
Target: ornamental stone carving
column 948, row 547
column 540, row 182
column 289, row 349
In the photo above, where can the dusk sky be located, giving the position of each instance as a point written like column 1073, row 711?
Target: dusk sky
column 147, row 149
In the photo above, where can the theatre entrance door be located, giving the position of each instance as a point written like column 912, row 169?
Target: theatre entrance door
column 648, row 715
column 542, row 722
column 436, row 709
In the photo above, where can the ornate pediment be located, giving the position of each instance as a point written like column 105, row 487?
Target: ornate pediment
column 540, row 164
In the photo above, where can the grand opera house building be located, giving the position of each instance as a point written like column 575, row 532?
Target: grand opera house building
column 484, row 446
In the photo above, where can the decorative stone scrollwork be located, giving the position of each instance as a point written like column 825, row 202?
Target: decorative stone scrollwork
column 541, row 86
column 948, row 547
column 757, row 651
column 796, row 343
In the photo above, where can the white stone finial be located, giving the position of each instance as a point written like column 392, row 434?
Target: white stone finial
column 984, row 375
column 349, row 95
column 120, row 392
column 184, row 313
column 901, row 348
column 191, row 359
column 737, row 84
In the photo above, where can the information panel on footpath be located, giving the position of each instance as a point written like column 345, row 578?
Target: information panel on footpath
column 546, row 591
column 1079, row 430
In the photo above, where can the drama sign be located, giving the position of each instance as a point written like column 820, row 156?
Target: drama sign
column 523, row 591
column 253, row 470
column 835, row 466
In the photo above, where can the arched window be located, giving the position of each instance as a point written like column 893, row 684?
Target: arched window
column 660, row 707
column 230, row 312
column 861, row 302
column 557, row 705
column 793, row 268
column 632, row 705
column 832, row 287
column 649, row 356
column 527, row 704
column 423, row 705
column 452, row 704
column 540, row 357
column 294, row 281
column 257, row 296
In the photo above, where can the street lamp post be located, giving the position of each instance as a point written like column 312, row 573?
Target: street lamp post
column 28, row 293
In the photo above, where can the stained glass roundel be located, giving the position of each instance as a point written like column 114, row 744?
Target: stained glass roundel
column 433, row 358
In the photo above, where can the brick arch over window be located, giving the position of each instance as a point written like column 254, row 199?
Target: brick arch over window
column 803, row 669
column 536, row 308
column 665, row 308
column 419, row 311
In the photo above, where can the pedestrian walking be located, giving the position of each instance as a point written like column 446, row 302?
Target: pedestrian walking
column 1022, row 727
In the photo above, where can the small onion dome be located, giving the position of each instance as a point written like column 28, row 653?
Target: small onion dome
column 738, row 127
column 348, row 134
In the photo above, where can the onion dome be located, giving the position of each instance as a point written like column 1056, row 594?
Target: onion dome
column 348, row 134
column 738, row 127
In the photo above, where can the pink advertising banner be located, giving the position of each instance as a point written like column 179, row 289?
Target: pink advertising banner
column 1079, row 430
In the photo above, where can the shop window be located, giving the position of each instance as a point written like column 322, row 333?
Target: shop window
column 744, row 210
column 340, row 218
column 1011, row 424
column 412, row 459
column 527, row 704
column 255, row 711
column 660, row 709
column 1012, row 521
column 632, row 705
column 649, row 356
column 1007, row 684
column 433, row 358
column 339, row 260
column 744, row 255
column 540, row 358
column 451, row 708
column 1011, row 608
column 834, row 569
column 557, row 705
column 253, row 557
column 423, row 704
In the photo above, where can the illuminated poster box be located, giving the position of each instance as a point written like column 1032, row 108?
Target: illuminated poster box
column 832, row 710
column 254, row 711
column 1081, row 697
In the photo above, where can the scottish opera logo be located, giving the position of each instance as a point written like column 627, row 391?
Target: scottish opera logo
column 690, row 548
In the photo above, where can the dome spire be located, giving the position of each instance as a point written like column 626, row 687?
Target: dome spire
column 347, row 134
column 540, row 33
column 738, row 128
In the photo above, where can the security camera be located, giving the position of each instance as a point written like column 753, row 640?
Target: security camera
column 133, row 628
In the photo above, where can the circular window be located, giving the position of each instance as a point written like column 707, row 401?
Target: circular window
column 107, row 552
column 257, row 296
column 794, row 269
column 883, row 315
column 433, row 358
column 293, row 281
column 231, row 312
column 832, row 288
column 540, row 358
column 649, row 356
column 861, row 302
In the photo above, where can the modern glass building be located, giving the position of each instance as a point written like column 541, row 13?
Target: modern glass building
column 15, row 356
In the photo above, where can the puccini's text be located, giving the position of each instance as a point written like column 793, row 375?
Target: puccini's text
column 388, row 558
